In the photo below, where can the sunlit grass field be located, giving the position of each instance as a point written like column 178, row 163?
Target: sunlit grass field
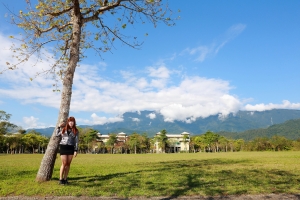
column 129, row 175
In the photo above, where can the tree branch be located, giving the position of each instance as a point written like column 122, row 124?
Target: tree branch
column 117, row 36
column 102, row 9
column 55, row 14
column 36, row 49
column 59, row 28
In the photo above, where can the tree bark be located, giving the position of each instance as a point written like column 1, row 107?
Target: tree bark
column 48, row 161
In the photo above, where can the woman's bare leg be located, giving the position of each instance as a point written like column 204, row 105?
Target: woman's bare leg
column 67, row 166
column 64, row 159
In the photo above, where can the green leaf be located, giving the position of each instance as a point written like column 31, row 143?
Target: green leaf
column 24, row 46
column 124, row 26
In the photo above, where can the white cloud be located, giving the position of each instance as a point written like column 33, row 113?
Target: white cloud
column 100, row 120
column 203, row 51
column 152, row 115
column 141, row 83
column 135, row 119
column 230, row 34
column 102, row 66
column 160, row 72
column 31, row 122
column 192, row 97
column 153, row 89
column 222, row 117
column 16, row 83
column 262, row 107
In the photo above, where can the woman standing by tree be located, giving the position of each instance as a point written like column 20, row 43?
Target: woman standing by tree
column 68, row 147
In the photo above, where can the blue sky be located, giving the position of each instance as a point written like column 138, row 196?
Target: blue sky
column 221, row 57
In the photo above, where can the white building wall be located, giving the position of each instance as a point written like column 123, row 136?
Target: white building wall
column 177, row 139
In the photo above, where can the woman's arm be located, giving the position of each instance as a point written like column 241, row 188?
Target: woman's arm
column 76, row 141
column 58, row 132
column 59, row 129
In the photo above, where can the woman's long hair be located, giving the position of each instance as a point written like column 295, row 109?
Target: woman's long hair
column 67, row 127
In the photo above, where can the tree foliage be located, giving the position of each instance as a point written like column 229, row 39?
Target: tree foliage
column 23, row 143
column 162, row 139
column 138, row 143
column 52, row 27
column 5, row 125
column 212, row 142
column 112, row 141
column 88, row 138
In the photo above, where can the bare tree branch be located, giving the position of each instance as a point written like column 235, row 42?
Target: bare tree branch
column 117, row 36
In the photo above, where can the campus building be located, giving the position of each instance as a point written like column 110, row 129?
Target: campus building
column 121, row 137
column 102, row 140
column 176, row 143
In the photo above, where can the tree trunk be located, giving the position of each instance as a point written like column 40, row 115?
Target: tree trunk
column 48, row 161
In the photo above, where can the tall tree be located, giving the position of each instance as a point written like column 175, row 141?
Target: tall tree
column 112, row 141
column 144, row 143
column 198, row 142
column 4, row 116
column 163, row 139
column 133, row 142
column 224, row 143
column 67, row 23
column 5, row 125
column 88, row 136
column 185, row 139
column 211, row 139
column 31, row 141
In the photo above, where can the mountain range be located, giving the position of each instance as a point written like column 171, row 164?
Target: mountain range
column 289, row 129
column 151, row 122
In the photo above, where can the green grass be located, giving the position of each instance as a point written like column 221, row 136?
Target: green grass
column 205, row 174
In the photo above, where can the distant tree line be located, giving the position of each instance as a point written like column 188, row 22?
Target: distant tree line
column 212, row 142
column 14, row 139
column 31, row 142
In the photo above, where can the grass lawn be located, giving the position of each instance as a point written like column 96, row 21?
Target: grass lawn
column 205, row 174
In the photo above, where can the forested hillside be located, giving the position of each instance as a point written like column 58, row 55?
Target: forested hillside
column 289, row 129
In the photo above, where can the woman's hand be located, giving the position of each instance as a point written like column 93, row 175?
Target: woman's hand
column 62, row 125
column 75, row 153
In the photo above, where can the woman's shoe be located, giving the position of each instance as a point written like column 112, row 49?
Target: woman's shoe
column 61, row 182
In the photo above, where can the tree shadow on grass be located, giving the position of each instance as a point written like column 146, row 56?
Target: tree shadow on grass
column 9, row 174
column 191, row 177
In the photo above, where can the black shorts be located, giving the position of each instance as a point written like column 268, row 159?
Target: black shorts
column 66, row 149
